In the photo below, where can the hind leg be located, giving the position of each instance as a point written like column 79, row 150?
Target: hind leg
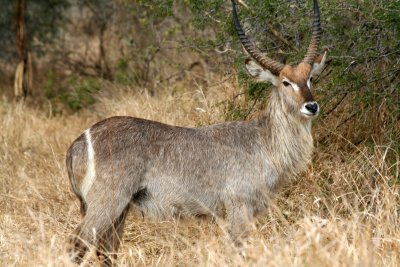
column 110, row 241
column 77, row 247
column 103, row 215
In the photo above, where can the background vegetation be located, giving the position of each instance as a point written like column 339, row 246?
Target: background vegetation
column 180, row 62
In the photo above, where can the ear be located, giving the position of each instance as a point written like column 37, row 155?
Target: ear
column 319, row 63
column 260, row 74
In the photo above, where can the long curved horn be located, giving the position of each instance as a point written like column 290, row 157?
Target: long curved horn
column 315, row 38
column 273, row 66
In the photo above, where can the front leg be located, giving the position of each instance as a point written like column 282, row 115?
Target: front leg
column 239, row 215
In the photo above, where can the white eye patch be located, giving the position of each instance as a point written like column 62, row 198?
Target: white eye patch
column 294, row 85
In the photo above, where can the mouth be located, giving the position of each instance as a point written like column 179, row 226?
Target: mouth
column 308, row 114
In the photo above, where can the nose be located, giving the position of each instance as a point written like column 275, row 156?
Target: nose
column 312, row 107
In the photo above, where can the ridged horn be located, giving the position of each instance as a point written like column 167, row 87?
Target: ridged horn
column 273, row 66
column 315, row 38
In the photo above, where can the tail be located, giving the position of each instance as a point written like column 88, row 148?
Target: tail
column 71, row 176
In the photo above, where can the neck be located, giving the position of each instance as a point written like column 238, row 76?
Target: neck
column 287, row 137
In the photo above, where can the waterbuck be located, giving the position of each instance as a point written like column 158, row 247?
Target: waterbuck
column 228, row 170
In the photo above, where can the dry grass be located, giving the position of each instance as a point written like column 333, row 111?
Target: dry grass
column 343, row 212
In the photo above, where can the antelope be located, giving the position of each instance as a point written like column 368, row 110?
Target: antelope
column 228, row 170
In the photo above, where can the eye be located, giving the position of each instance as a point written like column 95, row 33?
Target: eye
column 310, row 79
column 285, row 83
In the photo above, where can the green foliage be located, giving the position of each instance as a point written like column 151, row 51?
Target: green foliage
column 81, row 94
column 389, row 15
column 74, row 93
column 160, row 8
column 50, row 86
column 122, row 74
column 208, row 13
column 236, row 112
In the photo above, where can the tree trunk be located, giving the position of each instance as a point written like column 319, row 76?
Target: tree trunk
column 105, row 71
column 23, row 73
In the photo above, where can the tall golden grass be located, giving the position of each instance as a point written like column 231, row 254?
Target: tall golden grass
column 344, row 211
